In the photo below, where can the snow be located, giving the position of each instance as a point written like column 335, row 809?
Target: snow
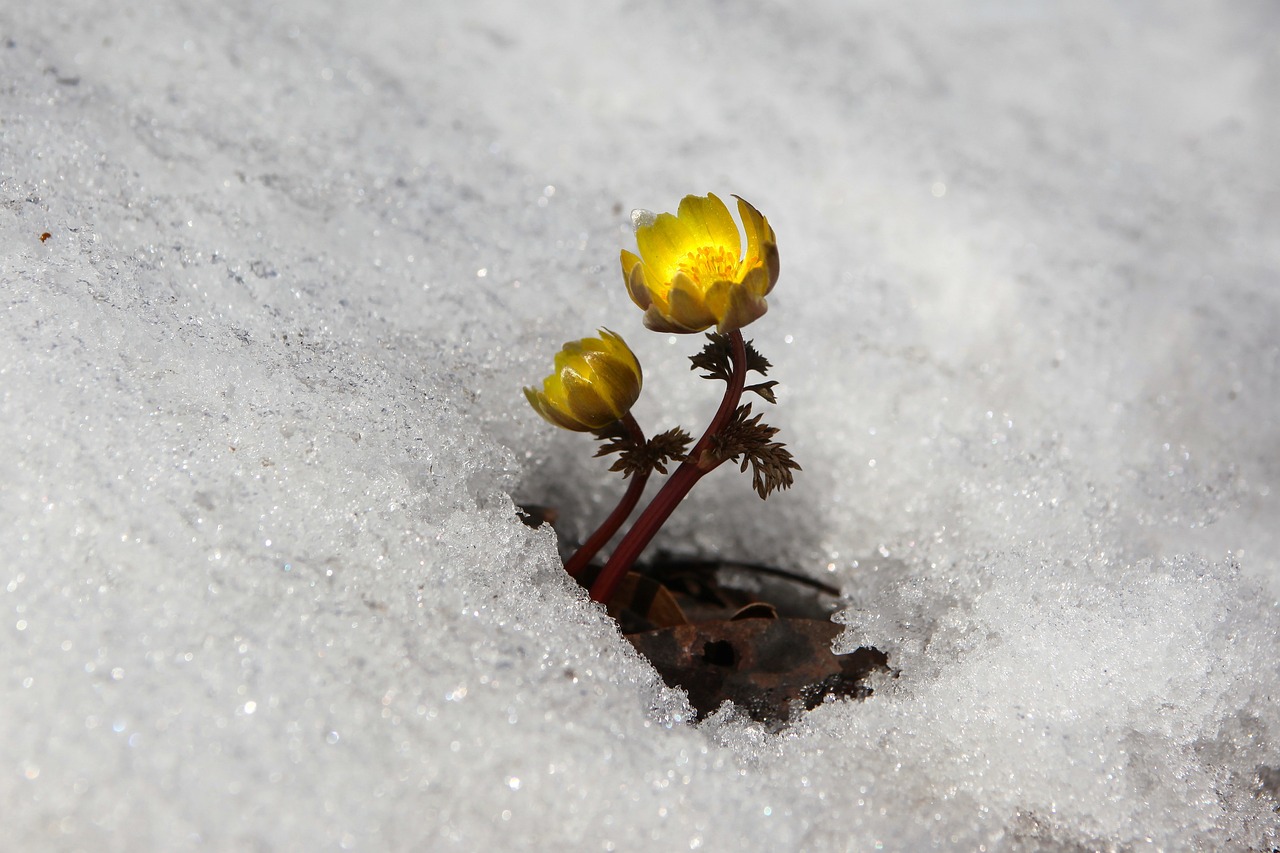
column 263, row 582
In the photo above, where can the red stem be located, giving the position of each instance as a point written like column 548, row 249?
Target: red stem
column 582, row 557
column 698, row 463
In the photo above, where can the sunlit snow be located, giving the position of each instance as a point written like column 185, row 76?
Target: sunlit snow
column 263, row 585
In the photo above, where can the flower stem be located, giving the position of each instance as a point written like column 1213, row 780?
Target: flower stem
column 698, row 463
column 582, row 557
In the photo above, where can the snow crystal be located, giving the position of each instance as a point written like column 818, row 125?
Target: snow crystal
column 265, row 585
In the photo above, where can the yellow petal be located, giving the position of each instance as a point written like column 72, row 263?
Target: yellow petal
column 568, row 358
column 756, row 282
column 531, row 395
column 769, row 236
column 665, row 243
column 743, row 308
column 687, row 307
column 637, row 284
column 762, row 244
column 619, row 350
column 769, row 250
column 709, row 219
column 717, row 297
column 544, row 407
column 617, row 384
column 593, row 346
column 585, row 403
column 656, row 321
column 752, row 224
column 553, row 389
column 629, row 262
column 656, row 290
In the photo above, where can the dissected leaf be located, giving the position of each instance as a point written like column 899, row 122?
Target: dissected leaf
column 716, row 358
column 755, row 361
column 667, row 447
column 746, row 438
column 635, row 458
column 764, row 389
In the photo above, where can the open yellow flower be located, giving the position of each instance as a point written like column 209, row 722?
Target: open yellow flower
column 596, row 382
column 692, row 273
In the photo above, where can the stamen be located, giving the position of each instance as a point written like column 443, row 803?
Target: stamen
column 710, row 264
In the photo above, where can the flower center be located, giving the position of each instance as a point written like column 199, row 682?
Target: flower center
column 710, row 264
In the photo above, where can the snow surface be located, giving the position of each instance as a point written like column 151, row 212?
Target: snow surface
column 262, row 434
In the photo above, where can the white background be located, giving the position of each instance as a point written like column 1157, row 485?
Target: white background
column 261, row 431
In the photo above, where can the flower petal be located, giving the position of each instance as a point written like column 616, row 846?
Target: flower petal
column 743, row 308
column 531, row 395
column 543, row 406
column 707, row 217
column 618, row 348
column 568, row 358
column 585, row 402
column 756, row 282
column 752, row 222
column 633, row 271
column 592, row 347
column 664, row 244
column 630, row 261
column 657, row 321
column 717, row 297
column 617, row 384
column 687, row 307
column 769, row 249
column 552, row 393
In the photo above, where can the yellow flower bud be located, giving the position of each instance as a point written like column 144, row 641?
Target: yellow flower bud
column 596, row 382
column 692, row 273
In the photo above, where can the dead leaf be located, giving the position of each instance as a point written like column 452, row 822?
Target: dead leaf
column 642, row 604
column 764, row 666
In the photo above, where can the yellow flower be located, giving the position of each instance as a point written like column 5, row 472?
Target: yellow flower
column 691, row 272
column 596, row 382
